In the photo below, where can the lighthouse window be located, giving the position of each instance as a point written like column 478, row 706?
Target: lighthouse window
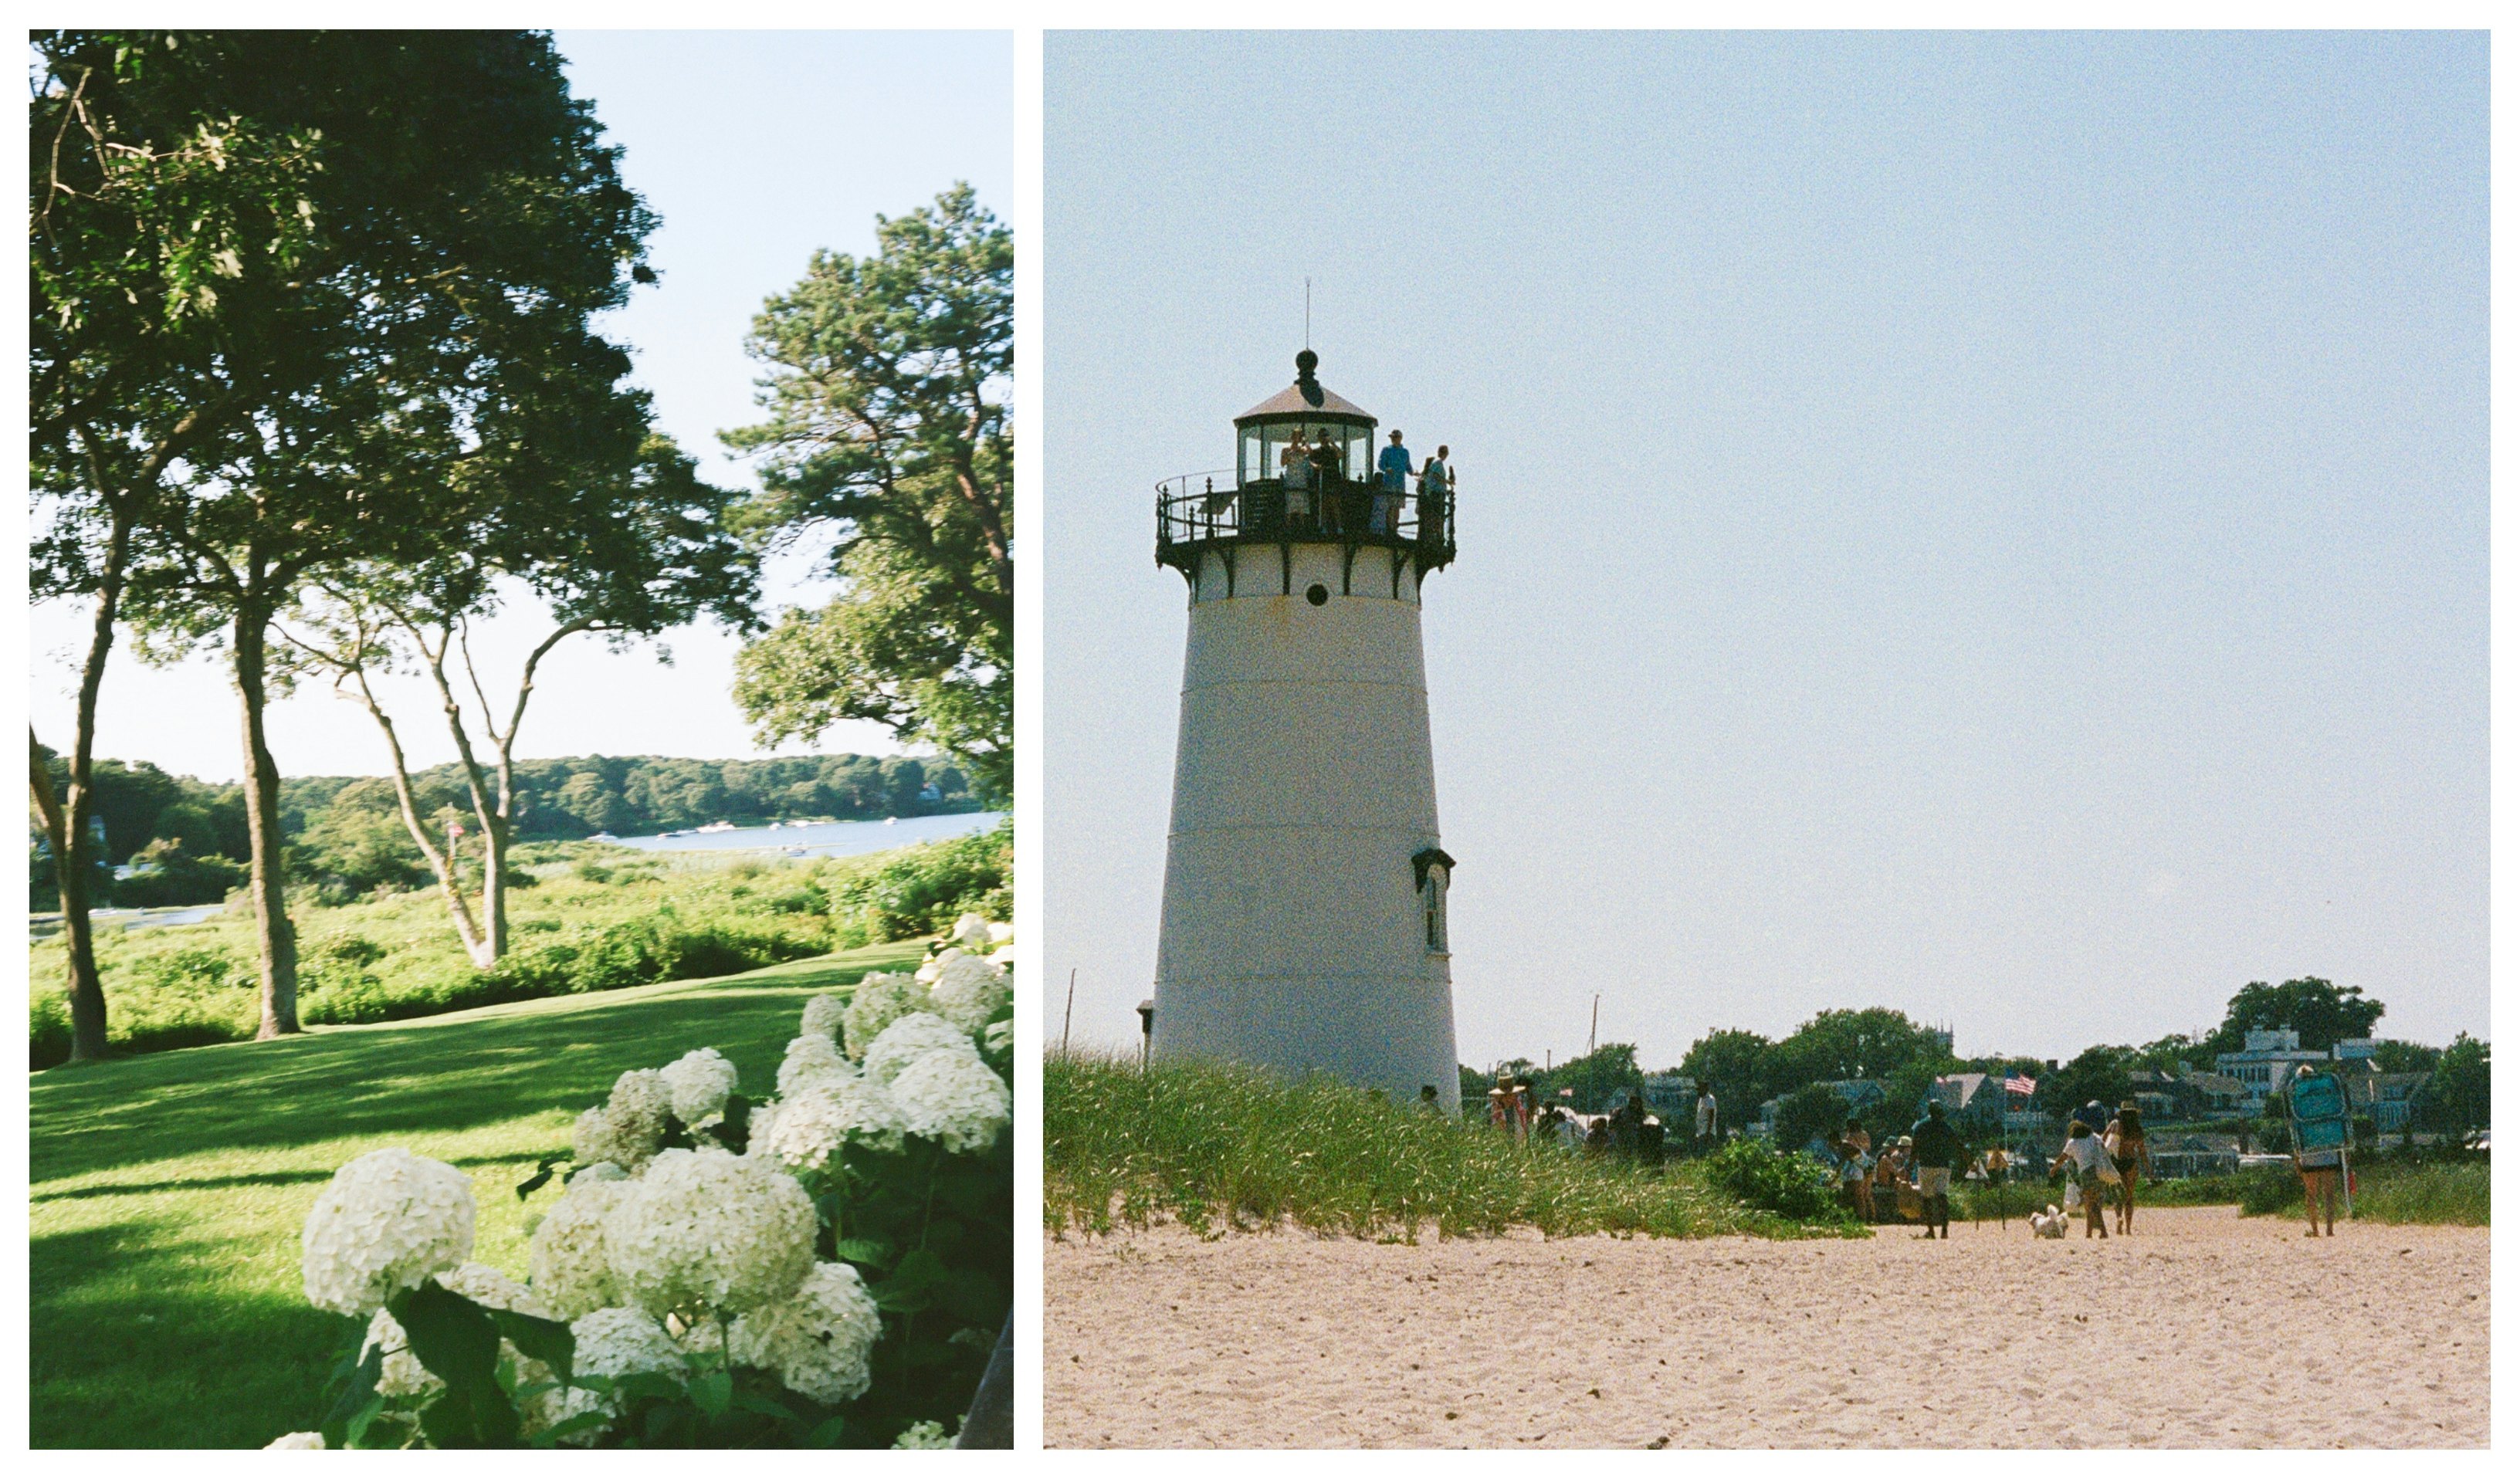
column 1431, row 895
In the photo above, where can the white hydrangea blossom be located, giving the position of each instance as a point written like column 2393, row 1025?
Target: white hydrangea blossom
column 953, row 1098
column 638, row 1107
column 399, row 1373
column 969, row 991
column 697, row 1085
column 999, row 1039
column 999, row 934
column 880, row 999
column 971, row 931
column 619, row 1341
column 296, row 1441
column 489, row 1287
column 1003, row 955
column 909, row 1039
column 925, row 974
column 930, row 1434
column 707, row 1229
column 763, row 1124
column 823, row 1015
column 812, row 1124
column 387, row 1220
column 812, row 1057
column 567, row 1262
column 817, row 1339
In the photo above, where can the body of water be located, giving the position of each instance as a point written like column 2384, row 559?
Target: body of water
column 823, row 839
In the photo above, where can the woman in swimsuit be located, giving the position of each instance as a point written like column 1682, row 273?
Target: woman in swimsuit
column 2128, row 1154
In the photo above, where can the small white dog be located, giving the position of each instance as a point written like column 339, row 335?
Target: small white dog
column 2049, row 1224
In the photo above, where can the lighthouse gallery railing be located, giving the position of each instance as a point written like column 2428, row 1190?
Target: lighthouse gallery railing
column 1197, row 511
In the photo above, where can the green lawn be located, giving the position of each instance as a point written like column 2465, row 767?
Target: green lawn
column 169, row 1189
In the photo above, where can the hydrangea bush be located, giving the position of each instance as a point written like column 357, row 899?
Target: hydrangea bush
column 827, row 1268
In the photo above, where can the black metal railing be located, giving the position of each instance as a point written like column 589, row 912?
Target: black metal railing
column 1199, row 511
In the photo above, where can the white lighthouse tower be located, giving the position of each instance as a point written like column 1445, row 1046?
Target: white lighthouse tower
column 1304, row 881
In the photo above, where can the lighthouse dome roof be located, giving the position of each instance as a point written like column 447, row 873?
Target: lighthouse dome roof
column 1307, row 399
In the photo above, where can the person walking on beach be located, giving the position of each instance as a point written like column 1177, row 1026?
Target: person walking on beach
column 1938, row 1150
column 2125, row 1144
column 2323, row 1176
column 2081, row 1159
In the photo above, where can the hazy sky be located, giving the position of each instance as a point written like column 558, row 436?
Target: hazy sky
column 756, row 148
column 1992, row 527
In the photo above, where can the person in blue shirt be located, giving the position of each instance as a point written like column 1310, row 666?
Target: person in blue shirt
column 1395, row 470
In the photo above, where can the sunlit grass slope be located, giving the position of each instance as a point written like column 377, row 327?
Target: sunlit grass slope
column 169, row 1189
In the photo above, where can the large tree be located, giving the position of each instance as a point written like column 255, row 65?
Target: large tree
column 2321, row 1010
column 627, row 544
column 467, row 223
column 888, row 445
column 165, row 230
column 1734, row 1061
column 1874, row 1042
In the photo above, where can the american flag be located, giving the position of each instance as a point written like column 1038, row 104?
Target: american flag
column 2022, row 1085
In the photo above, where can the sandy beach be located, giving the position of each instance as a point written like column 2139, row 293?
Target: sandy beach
column 2228, row 1329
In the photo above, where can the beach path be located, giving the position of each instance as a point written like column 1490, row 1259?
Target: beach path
column 2204, row 1330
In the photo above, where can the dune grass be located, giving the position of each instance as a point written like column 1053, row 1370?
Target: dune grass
column 2457, row 1193
column 167, row 1191
column 1220, row 1148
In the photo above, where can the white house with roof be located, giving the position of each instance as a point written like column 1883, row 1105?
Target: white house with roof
column 2266, row 1062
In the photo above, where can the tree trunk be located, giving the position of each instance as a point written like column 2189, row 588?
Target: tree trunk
column 72, row 857
column 279, row 943
column 441, row 862
column 70, row 869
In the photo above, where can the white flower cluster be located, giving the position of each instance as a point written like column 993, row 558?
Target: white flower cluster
column 387, row 1220
column 969, row 990
column 824, row 1014
column 653, row 1254
column 817, row 1339
column 296, row 1441
column 708, row 1229
column 930, row 1434
column 810, row 1125
column 629, row 1126
column 810, row 1058
column 880, row 999
column 971, row 932
column 567, row 1262
column 698, row 1083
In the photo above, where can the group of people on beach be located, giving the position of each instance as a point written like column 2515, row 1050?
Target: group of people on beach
column 1630, row 1132
column 2103, row 1166
column 1915, row 1169
column 1313, row 474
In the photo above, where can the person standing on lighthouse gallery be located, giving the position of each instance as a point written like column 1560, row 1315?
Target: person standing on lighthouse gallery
column 1394, row 466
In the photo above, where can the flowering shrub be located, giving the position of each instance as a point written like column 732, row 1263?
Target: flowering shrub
column 828, row 1268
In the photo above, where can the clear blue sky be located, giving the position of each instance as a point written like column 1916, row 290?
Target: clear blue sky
column 1988, row 525
column 756, row 148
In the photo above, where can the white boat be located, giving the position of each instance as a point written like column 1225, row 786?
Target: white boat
column 888, row 821
column 716, row 827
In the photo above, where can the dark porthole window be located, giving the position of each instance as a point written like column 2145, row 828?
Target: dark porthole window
column 1319, row 595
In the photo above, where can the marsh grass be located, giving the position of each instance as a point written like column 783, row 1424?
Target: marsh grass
column 1220, row 1148
column 167, row 1192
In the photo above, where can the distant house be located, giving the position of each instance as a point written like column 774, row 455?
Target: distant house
column 1975, row 1097
column 2182, row 1154
column 2215, row 1094
column 2266, row 1062
column 2389, row 1099
column 1672, row 1095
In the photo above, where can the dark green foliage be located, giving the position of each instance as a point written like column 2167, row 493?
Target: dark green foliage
column 923, row 891
column 1790, row 1183
column 2095, row 1073
column 2460, row 1096
column 885, row 380
column 1814, row 1111
column 1736, row 1062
